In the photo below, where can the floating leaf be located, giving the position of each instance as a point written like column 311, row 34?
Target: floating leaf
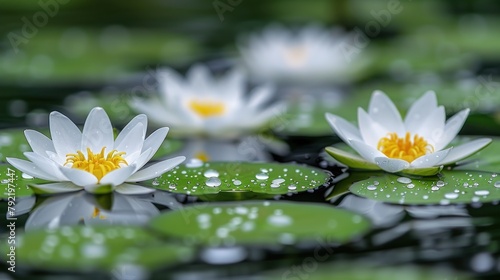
column 239, row 180
column 451, row 187
column 15, row 183
column 260, row 223
column 83, row 248
column 363, row 270
column 485, row 160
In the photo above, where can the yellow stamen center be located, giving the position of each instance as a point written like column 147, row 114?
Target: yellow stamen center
column 296, row 56
column 201, row 155
column 207, row 109
column 404, row 148
column 98, row 164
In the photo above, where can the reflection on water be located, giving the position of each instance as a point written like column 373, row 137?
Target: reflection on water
column 84, row 208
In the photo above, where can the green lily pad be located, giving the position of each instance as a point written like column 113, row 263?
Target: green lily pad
column 15, row 183
column 485, row 160
column 94, row 55
column 260, row 223
column 239, row 180
column 362, row 271
column 451, row 187
column 83, row 248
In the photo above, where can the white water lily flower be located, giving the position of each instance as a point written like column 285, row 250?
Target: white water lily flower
column 310, row 55
column 93, row 160
column 203, row 105
column 415, row 145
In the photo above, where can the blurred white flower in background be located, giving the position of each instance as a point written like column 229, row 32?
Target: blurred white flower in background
column 93, row 159
column 309, row 55
column 202, row 105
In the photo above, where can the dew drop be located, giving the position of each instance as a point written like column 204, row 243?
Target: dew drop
column 376, row 183
column 451, row 195
column 404, row 180
column 410, row 186
column 262, row 176
column 211, row 173
column 292, row 187
column 278, row 181
column 237, row 182
column 435, row 188
column 213, row 182
column 194, row 163
column 497, row 184
column 27, row 176
column 279, row 220
column 440, row 183
column 482, row 192
column 371, row 187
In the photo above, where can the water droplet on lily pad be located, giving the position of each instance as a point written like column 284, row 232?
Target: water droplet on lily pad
column 213, row 182
column 262, row 176
column 481, row 192
column 451, row 195
column 194, row 163
column 404, row 180
column 211, row 173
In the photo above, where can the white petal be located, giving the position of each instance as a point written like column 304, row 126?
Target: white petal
column 97, row 131
column 370, row 130
column 383, row 111
column 142, row 159
column 133, row 142
column 133, row 189
column 429, row 160
column 431, row 129
column 367, row 152
column 344, row 129
column 65, row 134
column 143, row 119
column 155, row 140
column 30, row 169
column 60, row 187
column 452, row 127
column 465, row 150
column 259, row 96
column 118, row 176
column 199, row 76
column 79, row 177
column 420, row 110
column 46, row 165
column 156, row 169
column 39, row 143
column 391, row 165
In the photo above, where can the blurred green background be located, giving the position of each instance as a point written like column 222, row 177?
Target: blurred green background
column 51, row 49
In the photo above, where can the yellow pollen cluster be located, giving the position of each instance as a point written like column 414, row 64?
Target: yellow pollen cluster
column 98, row 164
column 404, row 148
column 207, row 109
